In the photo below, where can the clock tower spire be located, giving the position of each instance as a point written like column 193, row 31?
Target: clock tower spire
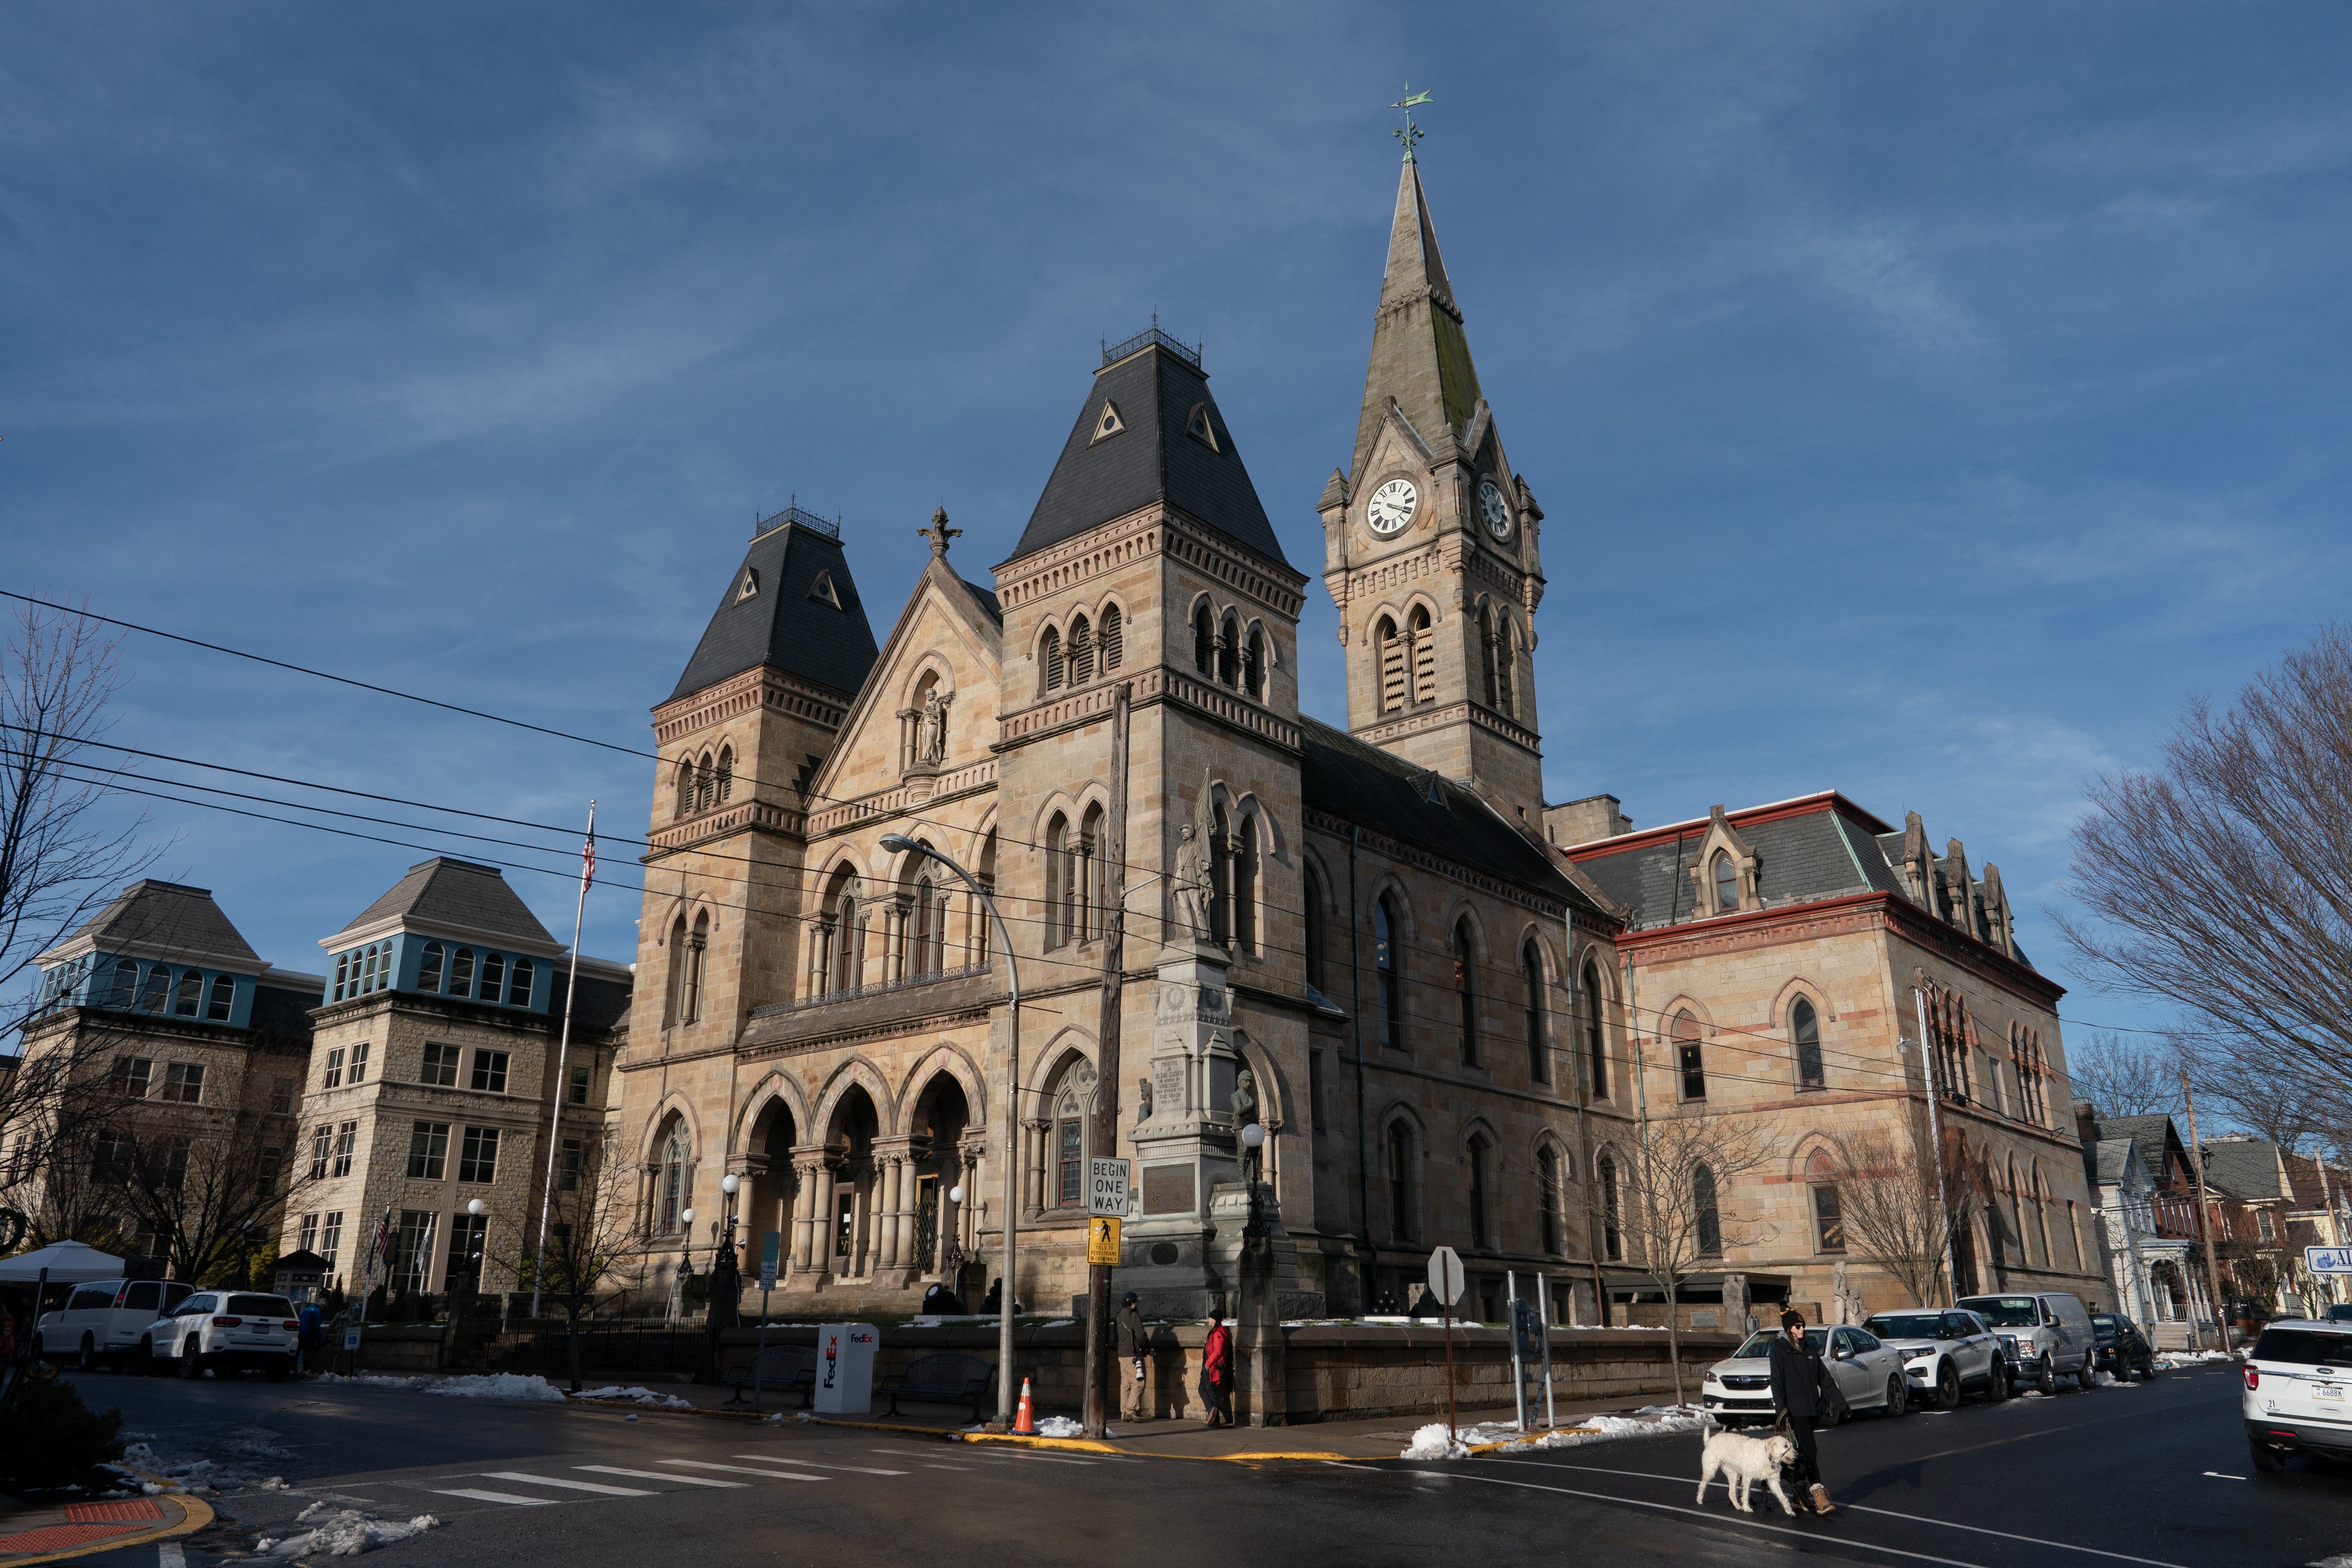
column 1429, row 544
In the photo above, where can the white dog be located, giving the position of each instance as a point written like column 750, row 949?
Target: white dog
column 1742, row 1462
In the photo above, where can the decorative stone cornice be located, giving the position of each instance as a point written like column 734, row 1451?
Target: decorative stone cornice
column 969, row 779
column 761, row 686
column 1158, row 684
column 1420, row 721
column 739, row 818
column 1157, row 529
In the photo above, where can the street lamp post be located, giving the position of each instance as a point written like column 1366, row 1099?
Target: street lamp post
column 899, row 844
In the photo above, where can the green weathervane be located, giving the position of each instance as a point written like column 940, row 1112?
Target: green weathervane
column 1412, row 133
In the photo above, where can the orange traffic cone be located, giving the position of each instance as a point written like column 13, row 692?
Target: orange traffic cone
column 1024, row 1420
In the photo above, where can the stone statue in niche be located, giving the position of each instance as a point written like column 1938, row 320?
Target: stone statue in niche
column 934, row 748
column 1191, row 886
column 1143, row 1099
column 1842, row 1308
column 1245, row 1097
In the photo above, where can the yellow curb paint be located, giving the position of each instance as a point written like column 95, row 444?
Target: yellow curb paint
column 196, row 1515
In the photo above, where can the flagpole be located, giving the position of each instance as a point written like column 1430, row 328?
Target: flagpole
column 563, row 1052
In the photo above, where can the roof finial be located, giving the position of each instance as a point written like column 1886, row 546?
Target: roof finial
column 1412, row 133
column 938, row 533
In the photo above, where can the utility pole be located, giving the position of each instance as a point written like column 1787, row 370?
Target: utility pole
column 1936, row 1137
column 1100, row 1362
column 2204, row 1216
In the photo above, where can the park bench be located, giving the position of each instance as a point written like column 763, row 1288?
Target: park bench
column 946, row 1378
column 787, row 1369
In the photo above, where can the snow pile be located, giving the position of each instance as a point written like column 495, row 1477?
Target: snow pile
column 1433, row 1442
column 1060, row 1426
column 371, row 1380
column 196, row 1475
column 1650, row 1421
column 497, row 1386
column 640, row 1396
column 2190, row 1358
column 341, row 1532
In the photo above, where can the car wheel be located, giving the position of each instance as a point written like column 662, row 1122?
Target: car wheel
column 87, row 1360
column 1948, row 1387
column 2267, row 1460
column 2089, row 1376
column 191, row 1361
column 1899, row 1397
column 147, row 1357
column 2045, row 1376
column 1996, row 1388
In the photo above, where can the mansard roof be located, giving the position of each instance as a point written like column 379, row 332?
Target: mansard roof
column 1819, row 846
column 1156, row 453
column 787, row 620
column 161, row 921
column 459, row 899
column 1344, row 776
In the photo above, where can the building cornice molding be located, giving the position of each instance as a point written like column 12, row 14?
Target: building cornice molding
column 762, row 686
column 443, row 931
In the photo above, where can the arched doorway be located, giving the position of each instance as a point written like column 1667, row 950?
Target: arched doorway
column 768, row 1205
column 942, row 1115
column 848, row 1235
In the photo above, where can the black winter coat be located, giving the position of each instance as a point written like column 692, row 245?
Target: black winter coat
column 1800, row 1382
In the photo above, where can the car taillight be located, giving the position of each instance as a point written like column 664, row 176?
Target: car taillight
column 227, row 1323
column 290, row 1326
column 2253, row 1378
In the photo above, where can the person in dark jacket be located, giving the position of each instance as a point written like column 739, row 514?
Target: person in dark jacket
column 1132, row 1343
column 1801, row 1393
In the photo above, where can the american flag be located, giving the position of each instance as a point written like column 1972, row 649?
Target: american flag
column 377, row 1249
column 588, row 861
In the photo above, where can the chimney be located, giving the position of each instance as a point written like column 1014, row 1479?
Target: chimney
column 2086, row 1121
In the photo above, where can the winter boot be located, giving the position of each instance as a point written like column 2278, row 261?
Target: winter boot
column 1822, row 1504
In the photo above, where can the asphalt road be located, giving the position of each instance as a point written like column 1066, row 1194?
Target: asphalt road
column 2151, row 1474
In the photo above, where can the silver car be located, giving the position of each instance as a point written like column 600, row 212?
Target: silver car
column 1945, row 1352
column 1868, row 1374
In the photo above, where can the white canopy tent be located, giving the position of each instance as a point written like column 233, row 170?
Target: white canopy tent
column 69, row 1262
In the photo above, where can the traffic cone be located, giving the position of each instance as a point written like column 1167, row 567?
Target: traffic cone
column 1024, row 1420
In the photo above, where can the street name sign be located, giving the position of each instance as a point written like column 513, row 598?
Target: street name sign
column 1107, row 1187
column 1446, row 1279
column 2328, row 1260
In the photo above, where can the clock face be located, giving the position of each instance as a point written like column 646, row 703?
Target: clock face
column 1392, row 506
column 1494, row 509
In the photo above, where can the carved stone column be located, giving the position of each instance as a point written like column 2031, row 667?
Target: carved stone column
column 1033, row 1189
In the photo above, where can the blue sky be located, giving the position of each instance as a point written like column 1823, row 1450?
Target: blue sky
column 1925, row 401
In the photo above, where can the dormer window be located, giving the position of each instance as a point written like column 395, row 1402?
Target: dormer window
column 1106, row 424
column 749, row 586
column 1726, row 881
column 823, row 592
column 1197, row 426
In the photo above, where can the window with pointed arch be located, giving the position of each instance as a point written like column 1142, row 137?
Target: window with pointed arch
column 726, row 779
column 1253, row 663
column 706, row 784
column 1706, row 1215
column 1059, row 879
column 1612, row 1229
column 1596, row 1034
column 1071, row 1116
column 698, row 943
column 1466, row 990
column 1479, row 1155
column 1548, row 1197
column 1204, row 639
column 1805, row 1036
column 1394, row 650
column 1318, row 928
column 1424, row 656
column 1726, row 881
column 1221, row 878
column 1113, row 637
column 1229, row 651
column 1086, row 877
column 983, row 935
column 1056, row 672
column 1081, row 651
column 1400, row 1147
column 841, row 934
column 1531, row 982
column 684, row 803
column 1247, row 878
column 672, row 1194
column 1829, row 1209
column 1690, row 1061
column 927, row 932
column 1385, row 959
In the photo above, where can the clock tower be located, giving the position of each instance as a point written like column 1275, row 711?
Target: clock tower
column 1429, row 544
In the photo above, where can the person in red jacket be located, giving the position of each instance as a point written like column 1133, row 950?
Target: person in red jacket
column 1217, row 1376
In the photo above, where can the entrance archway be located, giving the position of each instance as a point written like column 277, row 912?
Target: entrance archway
column 942, row 1114
column 849, row 1233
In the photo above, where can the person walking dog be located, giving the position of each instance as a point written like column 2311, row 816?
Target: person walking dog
column 1803, row 1393
column 1133, row 1343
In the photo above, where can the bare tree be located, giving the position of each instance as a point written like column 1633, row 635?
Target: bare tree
column 1678, row 1210
column 206, row 1186
column 2126, row 1076
column 592, row 1238
column 2217, row 882
column 1897, row 1215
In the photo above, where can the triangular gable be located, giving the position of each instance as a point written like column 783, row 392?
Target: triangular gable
column 867, row 746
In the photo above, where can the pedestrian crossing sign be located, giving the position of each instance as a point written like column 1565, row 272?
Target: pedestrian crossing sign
column 1102, row 1240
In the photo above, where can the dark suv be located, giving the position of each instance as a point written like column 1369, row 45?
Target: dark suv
column 2124, row 1351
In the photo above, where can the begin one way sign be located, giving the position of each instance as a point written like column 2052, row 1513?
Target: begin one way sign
column 1107, row 1187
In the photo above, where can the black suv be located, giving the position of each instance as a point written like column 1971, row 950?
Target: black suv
column 2124, row 1351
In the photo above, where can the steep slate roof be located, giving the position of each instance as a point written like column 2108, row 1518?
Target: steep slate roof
column 1816, row 854
column 1420, row 354
column 166, row 917
column 445, row 892
column 987, row 597
column 780, row 625
column 2114, row 1157
column 2152, row 1133
column 1152, row 459
column 1341, row 775
column 2249, row 1167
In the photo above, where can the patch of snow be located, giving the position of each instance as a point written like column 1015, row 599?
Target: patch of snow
column 497, row 1385
column 641, row 1395
column 341, row 1532
column 1651, row 1421
column 1060, row 1426
column 1434, row 1442
column 1061, row 1322
column 2342, row 1561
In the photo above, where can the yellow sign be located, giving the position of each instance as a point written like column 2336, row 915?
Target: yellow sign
column 1102, row 1241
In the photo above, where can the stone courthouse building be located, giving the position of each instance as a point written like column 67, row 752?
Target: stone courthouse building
column 1371, row 939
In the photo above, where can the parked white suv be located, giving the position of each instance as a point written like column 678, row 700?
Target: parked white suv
column 102, row 1320
column 225, row 1331
column 2046, row 1337
column 2298, row 1396
column 1945, row 1352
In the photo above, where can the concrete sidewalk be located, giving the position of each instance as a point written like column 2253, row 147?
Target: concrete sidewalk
column 74, row 1529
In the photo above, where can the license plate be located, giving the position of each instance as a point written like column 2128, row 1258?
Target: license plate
column 2328, row 1390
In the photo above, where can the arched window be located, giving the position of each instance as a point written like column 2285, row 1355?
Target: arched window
column 1548, row 1196
column 1726, row 881
column 461, row 972
column 684, row 805
column 1531, row 977
column 1054, row 673
column 695, row 946
column 1596, row 1035
column 189, row 1001
column 1688, row 1062
column 1221, row 880
column 1058, row 881
column 1253, row 664
column 125, row 984
column 1114, row 637
column 1506, row 668
column 1229, row 651
column 1805, row 1032
column 983, row 934
column 429, row 967
column 1477, row 1153
column 1612, row 1233
column 1487, row 648
column 706, row 784
column 726, row 773
column 1319, row 930
column 519, row 984
column 1384, row 972
column 1829, row 1214
column 1082, row 652
column 1396, row 661
column 1466, row 990
column 846, row 936
column 1071, row 1117
column 494, row 976
column 927, row 939
column 1204, row 640
column 1706, row 1219
column 1086, row 885
column 1399, row 1181
column 224, row 1000
column 157, row 993
column 675, row 1197
column 1424, row 657
column 1247, row 863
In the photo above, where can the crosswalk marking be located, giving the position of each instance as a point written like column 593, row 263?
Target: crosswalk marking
column 1022, row 1454
column 813, row 1464
column 559, row 1482
column 494, row 1496
column 744, row 1470
column 658, row 1475
column 963, row 1468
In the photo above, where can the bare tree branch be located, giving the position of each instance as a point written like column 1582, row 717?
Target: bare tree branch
column 592, row 1238
column 1679, row 1210
column 1894, row 1213
column 2126, row 1076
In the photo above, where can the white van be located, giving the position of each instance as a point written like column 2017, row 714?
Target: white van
column 103, row 1320
column 2046, row 1335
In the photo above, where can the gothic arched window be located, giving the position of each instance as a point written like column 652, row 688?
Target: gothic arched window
column 1246, row 869
column 1113, row 637
column 1612, row 1233
column 1690, row 1063
column 697, row 945
column 1054, row 673
column 1726, row 881
column 1204, row 639
column 1253, row 664
column 1385, row 971
column 1059, row 881
column 1805, row 1032
column 1071, row 1118
column 1829, row 1214
column 673, row 1198
column 1466, row 990
column 1086, row 879
column 1487, row 648
column 1395, row 660
column 1082, row 651
column 1229, row 651
column 1531, row 976
column 1424, row 657
column 726, row 773
column 1548, row 1196
column 1706, row 1219
column 1399, row 1143
column 1477, row 1154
